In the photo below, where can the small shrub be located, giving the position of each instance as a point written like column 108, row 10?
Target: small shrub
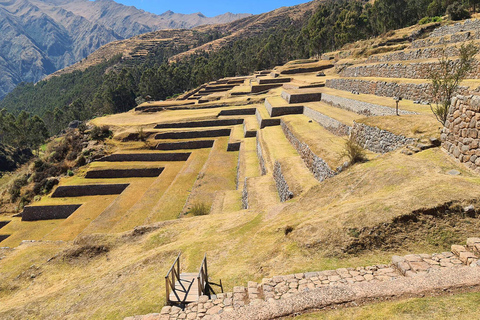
column 70, row 173
column 82, row 127
column 200, row 209
column 72, row 155
column 100, row 133
column 353, row 152
column 81, row 161
column 142, row 136
column 429, row 20
column 287, row 230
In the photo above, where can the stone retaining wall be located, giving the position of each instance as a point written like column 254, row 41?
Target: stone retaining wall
column 282, row 110
column 446, row 40
column 411, row 70
column 233, row 146
column 360, row 107
column 200, row 124
column 334, row 126
column 261, row 160
column 296, row 97
column 194, row 134
column 3, row 223
column 281, row 184
column 460, row 136
column 35, row 213
column 306, row 69
column 124, row 173
column 4, row 236
column 409, row 91
column 198, row 144
column 245, row 195
column 314, row 163
column 89, row 190
column 273, row 80
column 238, row 112
column 412, row 275
column 467, row 25
column 378, row 140
column 266, row 122
column 415, row 54
column 146, row 157
column 264, row 87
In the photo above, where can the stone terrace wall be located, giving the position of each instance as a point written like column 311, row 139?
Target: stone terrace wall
column 245, row 195
column 261, row 159
column 271, row 294
column 282, row 185
column 446, row 40
column 415, row 54
column 314, row 163
column 194, row 134
column 378, row 140
column 334, row 126
column 200, row 124
column 467, row 25
column 409, row 91
column 412, row 70
column 196, row 144
column 460, row 136
column 3, row 237
column 89, row 190
column 146, row 157
column 124, row 173
column 35, row 213
column 3, row 223
column 360, row 107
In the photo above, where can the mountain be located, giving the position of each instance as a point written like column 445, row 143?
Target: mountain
column 39, row 37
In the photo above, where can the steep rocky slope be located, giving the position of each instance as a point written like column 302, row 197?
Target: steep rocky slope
column 42, row 36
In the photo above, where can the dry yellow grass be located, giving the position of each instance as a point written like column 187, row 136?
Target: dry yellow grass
column 414, row 126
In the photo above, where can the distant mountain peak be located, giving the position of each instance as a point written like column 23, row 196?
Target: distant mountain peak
column 44, row 36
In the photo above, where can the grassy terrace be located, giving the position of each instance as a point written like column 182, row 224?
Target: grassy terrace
column 218, row 173
column 275, row 146
column 344, row 116
column 127, row 280
column 236, row 134
column 262, row 193
column 413, row 126
column 322, row 142
column 459, row 306
column 382, row 101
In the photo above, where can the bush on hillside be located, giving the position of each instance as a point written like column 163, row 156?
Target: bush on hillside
column 353, row 152
column 456, row 11
column 427, row 20
column 100, row 133
column 200, row 209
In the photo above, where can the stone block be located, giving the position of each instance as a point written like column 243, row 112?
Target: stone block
column 456, row 249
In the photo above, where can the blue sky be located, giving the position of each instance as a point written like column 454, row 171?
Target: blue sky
column 210, row 8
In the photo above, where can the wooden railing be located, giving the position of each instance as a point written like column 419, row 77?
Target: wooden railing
column 202, row 278
column 172, row 277
column 205, row 286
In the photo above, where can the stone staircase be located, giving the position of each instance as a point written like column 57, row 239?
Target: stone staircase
column 280, row 288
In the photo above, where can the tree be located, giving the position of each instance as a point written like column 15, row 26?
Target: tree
column 446, row 78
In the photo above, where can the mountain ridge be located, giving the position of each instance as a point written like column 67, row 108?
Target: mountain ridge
column 43, row 36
